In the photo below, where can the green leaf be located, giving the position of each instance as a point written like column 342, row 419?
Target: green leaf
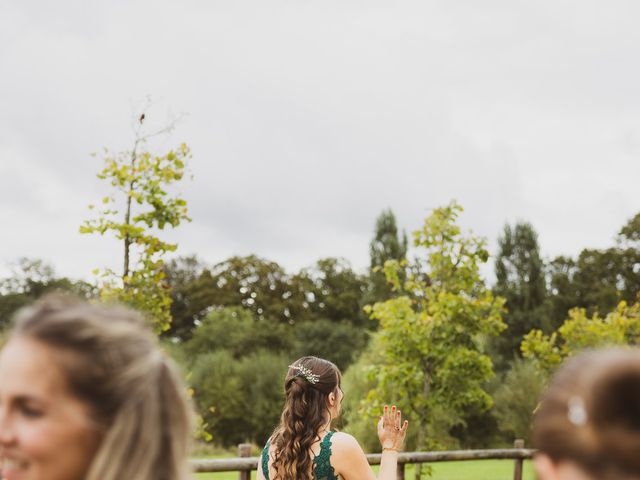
column 140, row 178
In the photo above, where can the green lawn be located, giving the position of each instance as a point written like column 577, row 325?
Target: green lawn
column 468, row 470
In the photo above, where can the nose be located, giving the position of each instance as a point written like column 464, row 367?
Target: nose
column 7, row 433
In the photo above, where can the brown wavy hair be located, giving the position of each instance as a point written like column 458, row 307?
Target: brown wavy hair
column 591, row 414
column 305, row 412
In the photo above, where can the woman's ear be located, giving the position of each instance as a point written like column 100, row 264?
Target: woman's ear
column 331, row 399
column 544, row 467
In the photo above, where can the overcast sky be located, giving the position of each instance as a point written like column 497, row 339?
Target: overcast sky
column 307, row 118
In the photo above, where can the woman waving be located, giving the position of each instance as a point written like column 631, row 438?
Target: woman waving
column 304, row 447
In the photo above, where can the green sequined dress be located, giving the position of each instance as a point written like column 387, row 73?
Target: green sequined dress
column 322, row 469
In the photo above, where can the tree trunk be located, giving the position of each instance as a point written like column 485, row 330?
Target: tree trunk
column 127, row 215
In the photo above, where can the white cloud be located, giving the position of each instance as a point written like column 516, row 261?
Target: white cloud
column 307, row 119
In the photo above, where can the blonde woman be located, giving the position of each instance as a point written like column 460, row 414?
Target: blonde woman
column 85, row 394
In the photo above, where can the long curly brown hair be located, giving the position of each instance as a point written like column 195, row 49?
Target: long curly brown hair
column 305, row 412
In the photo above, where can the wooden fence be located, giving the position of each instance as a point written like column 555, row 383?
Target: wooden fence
column 245, row 464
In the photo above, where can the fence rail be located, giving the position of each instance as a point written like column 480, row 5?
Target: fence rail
column 245, row 464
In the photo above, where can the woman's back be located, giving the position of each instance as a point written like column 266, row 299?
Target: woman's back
column 320, row 452
column 302, row 447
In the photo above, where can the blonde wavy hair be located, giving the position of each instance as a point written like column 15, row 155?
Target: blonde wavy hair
column 112, row 362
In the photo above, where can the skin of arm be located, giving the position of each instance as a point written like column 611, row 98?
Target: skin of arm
column 388, row 465
column 349, row 460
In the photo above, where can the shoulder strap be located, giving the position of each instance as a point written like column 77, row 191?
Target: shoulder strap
column 326, row 441
column 265, row 461
column 322, row 468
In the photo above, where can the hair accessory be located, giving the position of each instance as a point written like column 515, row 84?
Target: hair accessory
column 306, row 373
column 577, row 413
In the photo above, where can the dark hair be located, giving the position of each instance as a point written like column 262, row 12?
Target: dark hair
column 112, row 362
column 307, row 386
column 591, row 414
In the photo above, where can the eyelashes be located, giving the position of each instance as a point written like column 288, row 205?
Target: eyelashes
column 30, row 412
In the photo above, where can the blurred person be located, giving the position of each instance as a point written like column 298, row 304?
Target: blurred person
column 303, row 446
column 588, row 424
column 86, row 394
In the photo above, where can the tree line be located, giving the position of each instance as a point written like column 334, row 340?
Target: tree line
column 432, row 322
column 465, row 360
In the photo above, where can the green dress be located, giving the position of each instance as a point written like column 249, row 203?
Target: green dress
column 322, row 469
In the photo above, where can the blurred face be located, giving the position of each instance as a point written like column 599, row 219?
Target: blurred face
column 45, row 432
column 547, row 469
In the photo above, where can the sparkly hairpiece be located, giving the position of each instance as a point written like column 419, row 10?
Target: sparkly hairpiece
column 576, row 411
column 306, row 374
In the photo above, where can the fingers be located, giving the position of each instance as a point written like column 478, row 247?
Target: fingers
column 403, row 430
column 389, row 416
column 392, row 430
column 392, row 417
column 405, row 426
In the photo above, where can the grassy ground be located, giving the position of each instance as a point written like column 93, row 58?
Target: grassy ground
column 468, row 470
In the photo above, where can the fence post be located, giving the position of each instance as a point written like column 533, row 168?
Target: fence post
column 517, row 470
column 244, row 450
column 400, row 471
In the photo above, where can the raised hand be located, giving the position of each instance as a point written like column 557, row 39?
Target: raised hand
column 391, row 429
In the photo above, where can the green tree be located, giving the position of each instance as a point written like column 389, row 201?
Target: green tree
column 330, row 289
column 246, row 306
column 599, row 278
column 432, row 338
column 596, row 281
column 630, row 233
column 256, row 284
column 317, row 302
column 240, row 399
column 562, row 293
column 29, row 280
column 334, row 325
column 237, row 331
column 387, row 244
column 581, row 331
column 189, row 295
column 253, row 283
column 140, row 205
column 357, row 381
column 340, row 342
column 520, row 280
column 516, row 398
column 338, row 291
column 629, row 245
column 237, row 367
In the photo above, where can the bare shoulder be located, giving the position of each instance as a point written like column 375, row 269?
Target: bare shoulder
column 345, row 444
column 348, row 458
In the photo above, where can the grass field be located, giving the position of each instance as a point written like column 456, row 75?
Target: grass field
column 468, row 470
